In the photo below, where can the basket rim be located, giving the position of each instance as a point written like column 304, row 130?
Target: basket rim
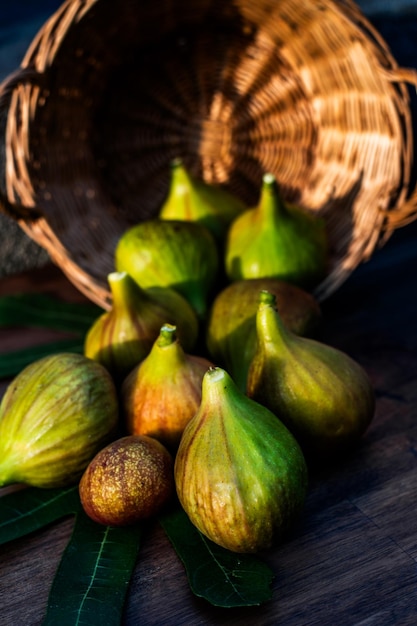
column 18, row 199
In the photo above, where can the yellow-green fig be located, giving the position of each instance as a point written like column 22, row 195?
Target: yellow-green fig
column 123, row 336
column 277, row 240
column 54, row 417
column 163, row 392
column 128, row 481
column 322, row 395
column 171, row 253
column 231, row 327
column 191, row 199
column 239, row 473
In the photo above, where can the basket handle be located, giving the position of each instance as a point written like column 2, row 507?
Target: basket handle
column 406, row 211
column 23, row 76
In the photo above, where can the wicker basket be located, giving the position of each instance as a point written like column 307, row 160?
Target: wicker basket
column 109, row 93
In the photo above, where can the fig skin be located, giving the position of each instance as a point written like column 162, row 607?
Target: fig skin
column 240, row 475
column 321, row 394
column 128, row 481
column 123, row 336
column 277, row 240
column 163, row 392
column 54, row 416
column 177, row 254
column 231, row 326
column 192, row 199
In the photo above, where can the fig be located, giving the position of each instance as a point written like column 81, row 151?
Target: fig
column 192, row 199
column 128, row 481
column 54, row 417
column 231, row 325
column 278, row 240
column 120, row 338
column 163, row 392
column 321, row 394
column 171, row 253
column 240, row 475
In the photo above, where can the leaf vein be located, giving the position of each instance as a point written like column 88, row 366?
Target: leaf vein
column 223, row 569
column 94, row 576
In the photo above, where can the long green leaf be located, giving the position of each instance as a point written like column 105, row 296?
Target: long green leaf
column 39, row 310
column 224, row 578
column 11, row 363
column 92, row 580
column 30, row 509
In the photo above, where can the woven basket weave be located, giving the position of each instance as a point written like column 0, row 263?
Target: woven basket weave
column 109, row 93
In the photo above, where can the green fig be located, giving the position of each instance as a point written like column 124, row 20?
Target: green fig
column 192, row 199
column 128, row 481
column 171, row 253
column 122, row 337
column 163, row 392
column 54, row 417
column 239, row 473
column 231, row 326
column 277, row 240
column 322, row 395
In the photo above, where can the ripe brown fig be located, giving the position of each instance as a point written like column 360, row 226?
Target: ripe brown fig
column 128, row 481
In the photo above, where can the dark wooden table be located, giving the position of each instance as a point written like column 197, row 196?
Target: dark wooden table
column 352, row 559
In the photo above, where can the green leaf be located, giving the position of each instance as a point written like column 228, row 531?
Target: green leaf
column 224, row 578
column 42, row 311
column 91, row 583
column 11, row 363
column 30, row 509
column 39, row 310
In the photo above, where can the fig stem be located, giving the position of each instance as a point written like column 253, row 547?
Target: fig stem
column 266, row 297
column 216, row 374
column 167, row 335
column 271, row 205
column 176, row 163
column 121, row 287
column 181, row 184
column 268, row 321
column 215, row 382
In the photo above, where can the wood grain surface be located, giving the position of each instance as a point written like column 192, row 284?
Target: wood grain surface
column 351, row 560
